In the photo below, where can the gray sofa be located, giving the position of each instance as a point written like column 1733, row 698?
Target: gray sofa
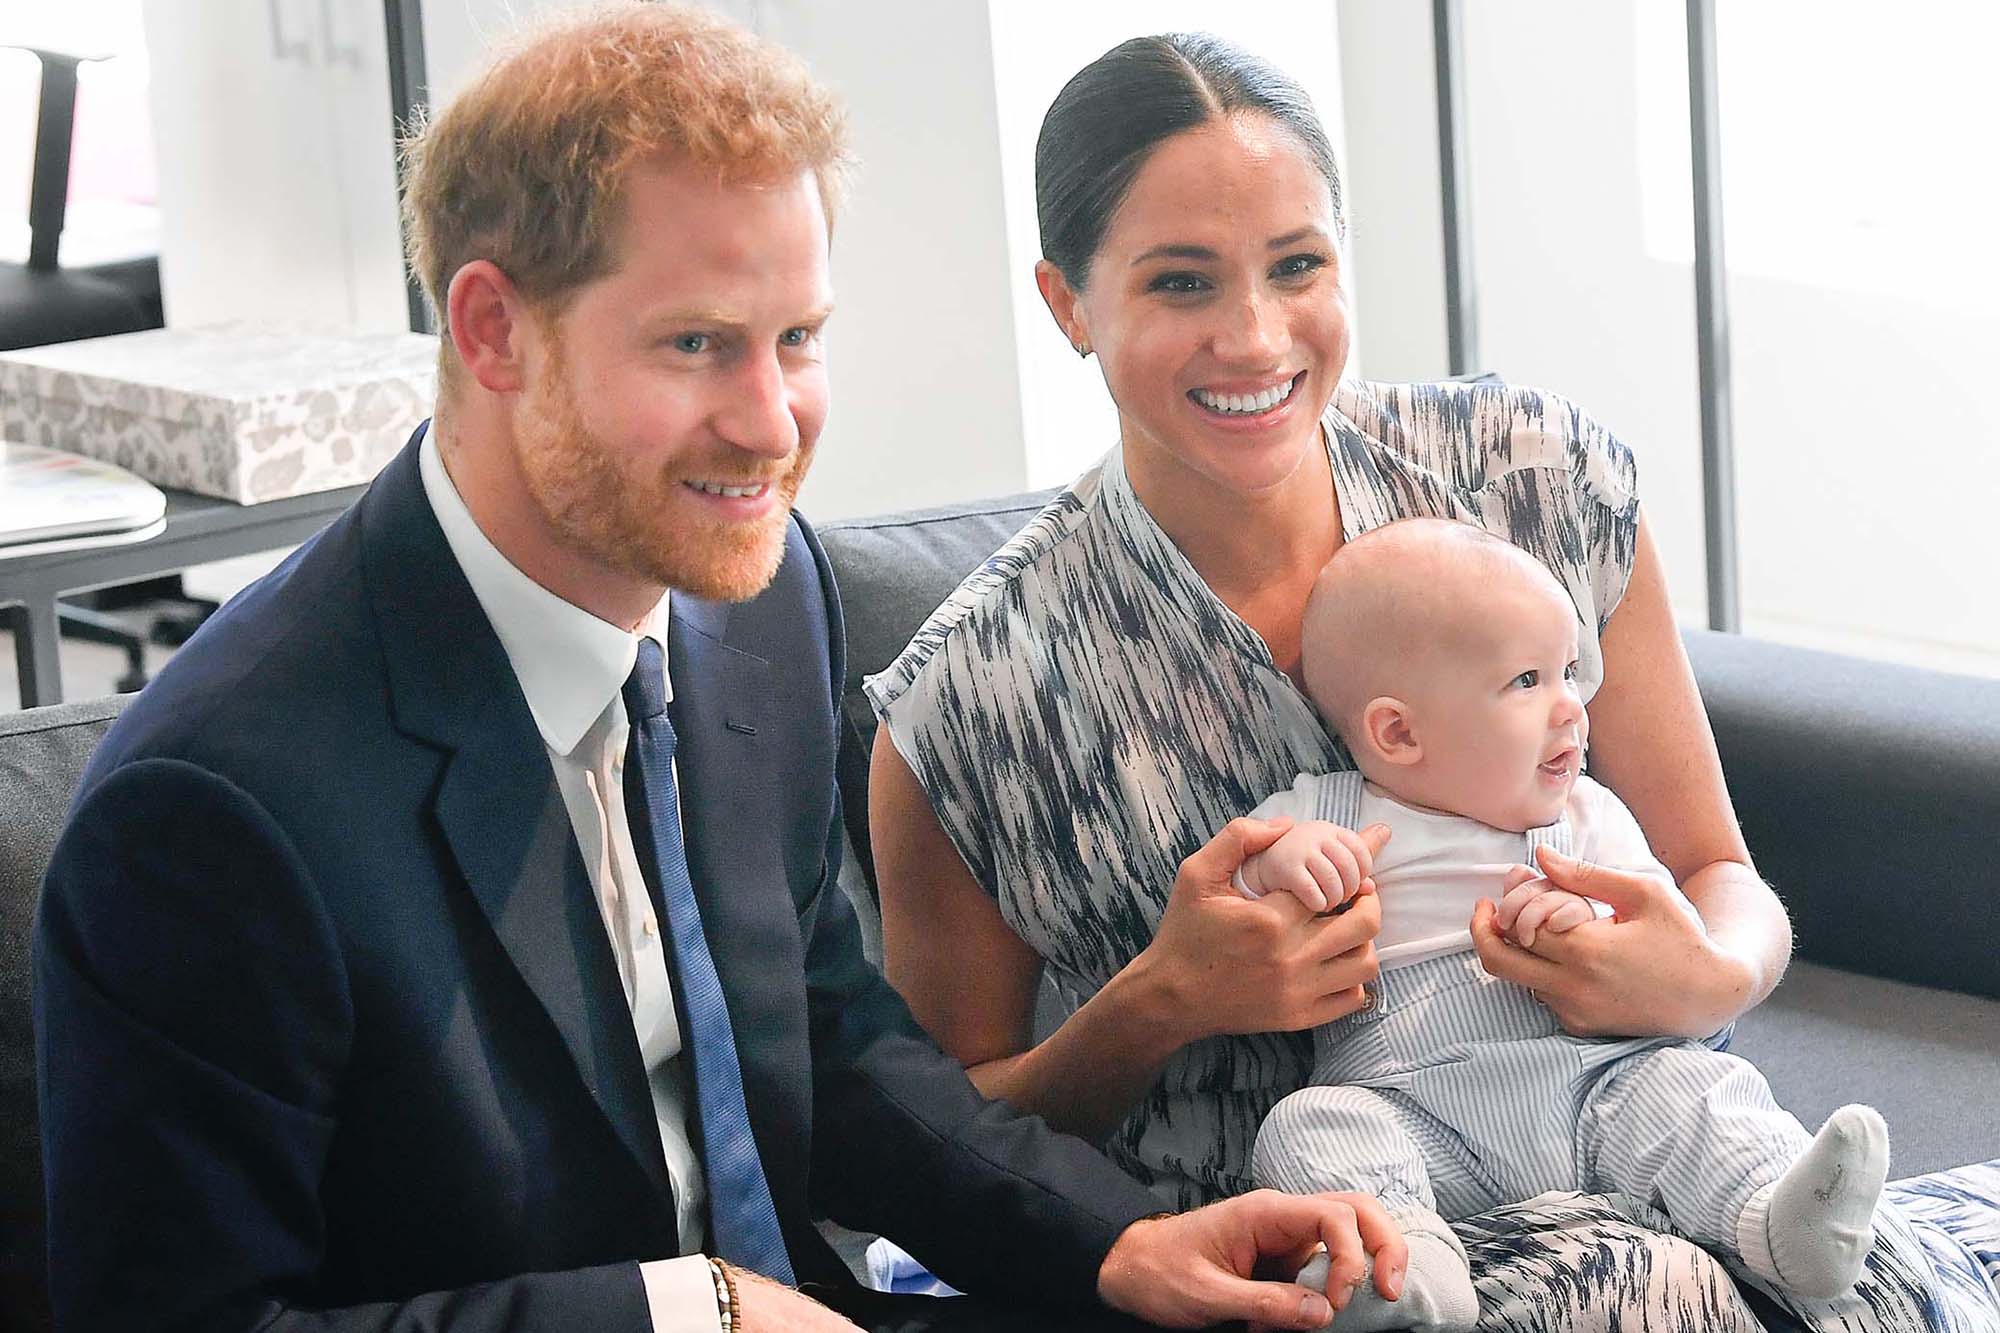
column 1870, row 795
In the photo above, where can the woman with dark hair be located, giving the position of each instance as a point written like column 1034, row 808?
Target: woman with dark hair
column 1070, row 742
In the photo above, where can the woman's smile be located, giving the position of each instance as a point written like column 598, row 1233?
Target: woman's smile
column 1258, row 403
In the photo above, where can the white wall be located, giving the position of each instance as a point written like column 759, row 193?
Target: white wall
column 1570, row 299
column 457, row 31
column 1395, row 223
column 926, row 393
column 1566, row 295
column 1863, row 292
column 276, row 165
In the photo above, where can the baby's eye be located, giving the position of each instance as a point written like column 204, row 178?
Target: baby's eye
column 1527, row 680
column 1569, row 672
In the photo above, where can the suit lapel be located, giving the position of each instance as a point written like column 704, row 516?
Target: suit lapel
column 498, row 805
column 508, row 828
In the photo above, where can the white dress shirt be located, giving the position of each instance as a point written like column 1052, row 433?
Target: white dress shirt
column 572, row 667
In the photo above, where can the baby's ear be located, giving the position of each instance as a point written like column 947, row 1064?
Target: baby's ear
column 1388, row 731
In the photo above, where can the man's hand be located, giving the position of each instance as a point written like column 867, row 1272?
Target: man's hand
column 764, row 1306
column 1321, row 864
column 1200, row 1268
column 1533, row 903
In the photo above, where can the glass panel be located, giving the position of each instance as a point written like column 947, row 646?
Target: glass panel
column 1859, row 202
column 1572, row 297
column 1864, row 291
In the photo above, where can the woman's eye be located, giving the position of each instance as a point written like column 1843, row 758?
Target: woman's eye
column 692, row 343
column 1178, row 284
column 1298, row 266
column 1527, row 680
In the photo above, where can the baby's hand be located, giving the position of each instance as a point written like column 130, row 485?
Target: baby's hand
column 1532, row 904
column 1320, row 864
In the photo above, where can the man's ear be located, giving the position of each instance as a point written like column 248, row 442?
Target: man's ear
column 1061, row 299
column 488, row 324
column 1388, row 730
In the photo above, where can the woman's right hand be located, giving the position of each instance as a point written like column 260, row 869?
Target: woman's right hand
column 1223, row 963
column 1219, row 964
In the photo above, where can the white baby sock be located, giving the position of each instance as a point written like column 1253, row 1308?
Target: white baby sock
column 1810, row 1230
column 1437, row 1291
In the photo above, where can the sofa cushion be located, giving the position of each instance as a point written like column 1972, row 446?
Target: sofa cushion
column 1869, row 795
column 897, row 569
column 894, row 571
column 1929, row 1060
column 42, row 755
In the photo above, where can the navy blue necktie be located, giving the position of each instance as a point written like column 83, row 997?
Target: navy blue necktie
column 743, row 1223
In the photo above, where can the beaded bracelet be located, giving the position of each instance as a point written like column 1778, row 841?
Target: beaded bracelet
column 725, row 1294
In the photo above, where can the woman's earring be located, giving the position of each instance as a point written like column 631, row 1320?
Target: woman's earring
column 1082, row 346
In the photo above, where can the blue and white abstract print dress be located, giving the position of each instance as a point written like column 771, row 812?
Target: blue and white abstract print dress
column 1084, row 713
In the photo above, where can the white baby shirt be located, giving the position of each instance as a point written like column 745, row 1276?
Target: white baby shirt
column 1437, row 866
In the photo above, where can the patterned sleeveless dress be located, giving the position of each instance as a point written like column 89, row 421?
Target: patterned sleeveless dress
column 1084, row 713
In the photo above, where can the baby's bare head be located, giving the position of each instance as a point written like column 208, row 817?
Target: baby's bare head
column 1404, row 600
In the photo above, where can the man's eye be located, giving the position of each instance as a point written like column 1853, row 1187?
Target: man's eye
column 692, row 343
column 1299, row 266
column 1178, row 284
column 1527, row 680
column 799, row 337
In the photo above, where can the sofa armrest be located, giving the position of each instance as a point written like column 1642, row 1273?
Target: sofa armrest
column 42, row 756
column 1870, row 797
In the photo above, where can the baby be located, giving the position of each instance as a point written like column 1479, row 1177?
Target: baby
column 1446, row 659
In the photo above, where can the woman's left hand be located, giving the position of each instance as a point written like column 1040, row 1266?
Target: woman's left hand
column 1647, row 971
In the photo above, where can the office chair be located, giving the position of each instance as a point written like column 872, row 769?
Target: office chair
column 40, row 301
column 43, row 302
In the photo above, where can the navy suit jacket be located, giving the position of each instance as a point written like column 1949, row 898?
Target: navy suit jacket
column 329, row 1030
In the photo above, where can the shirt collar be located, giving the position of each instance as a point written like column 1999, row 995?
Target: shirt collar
column 571, row 665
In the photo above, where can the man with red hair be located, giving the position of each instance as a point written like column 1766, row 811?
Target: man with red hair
column 448, row 938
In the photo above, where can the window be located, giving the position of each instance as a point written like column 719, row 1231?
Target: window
column 1864, row 292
